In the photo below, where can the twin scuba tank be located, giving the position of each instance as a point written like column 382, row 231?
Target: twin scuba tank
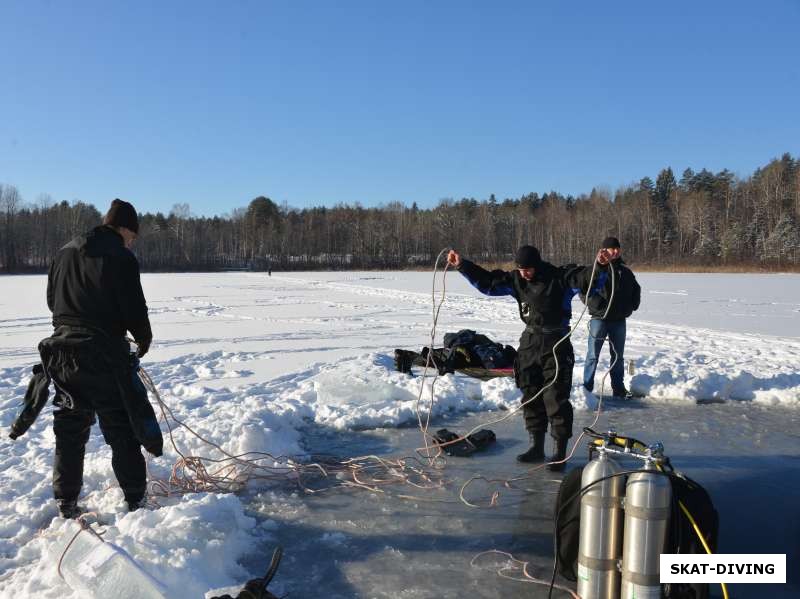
column 622, row 520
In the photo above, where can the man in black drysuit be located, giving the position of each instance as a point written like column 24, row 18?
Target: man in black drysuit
column 544, row 294
column 95, row 295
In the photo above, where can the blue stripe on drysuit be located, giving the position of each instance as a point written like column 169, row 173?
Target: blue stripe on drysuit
column 566, row 303
column 601, row 282
column 497, row 290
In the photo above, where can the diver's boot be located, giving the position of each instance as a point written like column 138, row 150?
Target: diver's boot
column 536, row 452
column 138, row 504
column 559, row 455
column 622, row 393
column 69, row 508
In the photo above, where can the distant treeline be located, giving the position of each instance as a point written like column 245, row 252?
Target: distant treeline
column 701, row 218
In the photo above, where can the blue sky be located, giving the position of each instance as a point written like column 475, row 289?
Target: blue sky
column 316, row 103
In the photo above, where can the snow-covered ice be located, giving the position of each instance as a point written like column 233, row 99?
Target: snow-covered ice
column 301, row 362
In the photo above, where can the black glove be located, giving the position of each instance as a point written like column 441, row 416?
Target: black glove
column 156, row 448
column 143, row 336
column 143, row 347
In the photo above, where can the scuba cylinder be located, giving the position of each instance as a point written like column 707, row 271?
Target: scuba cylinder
column 647, row 501
column 647, row 508
column 601, row 529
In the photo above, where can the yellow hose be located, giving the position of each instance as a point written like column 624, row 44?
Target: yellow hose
column 702, row 540
column 621, row 442
column 700, row 536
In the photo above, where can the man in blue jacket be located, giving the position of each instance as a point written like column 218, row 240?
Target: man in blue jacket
column 545, row 358
column 609, row 313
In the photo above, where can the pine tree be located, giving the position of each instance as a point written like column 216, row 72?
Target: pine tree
column 783, row 244
column 662, row 195
column 686, row 180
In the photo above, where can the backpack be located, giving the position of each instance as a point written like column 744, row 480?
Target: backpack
column 479, row 351
column 681, row 537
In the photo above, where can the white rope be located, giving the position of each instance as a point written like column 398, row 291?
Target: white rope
column 430, row 360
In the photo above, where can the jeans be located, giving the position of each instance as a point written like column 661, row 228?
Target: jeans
column 598, row 331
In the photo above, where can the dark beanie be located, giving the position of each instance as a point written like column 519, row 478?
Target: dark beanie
column 528, row 257
column 610, row 242
column 122, row 214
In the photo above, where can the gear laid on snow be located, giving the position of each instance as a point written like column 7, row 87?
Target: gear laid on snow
column 464, row 350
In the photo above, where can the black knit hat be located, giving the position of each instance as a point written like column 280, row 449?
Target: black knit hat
column 528, row 257
column 610, row 242
column 122, row 214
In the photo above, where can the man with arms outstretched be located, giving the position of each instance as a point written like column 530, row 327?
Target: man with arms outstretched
column 545, row 359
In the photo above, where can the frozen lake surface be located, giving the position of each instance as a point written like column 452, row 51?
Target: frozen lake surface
column 300, row 363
